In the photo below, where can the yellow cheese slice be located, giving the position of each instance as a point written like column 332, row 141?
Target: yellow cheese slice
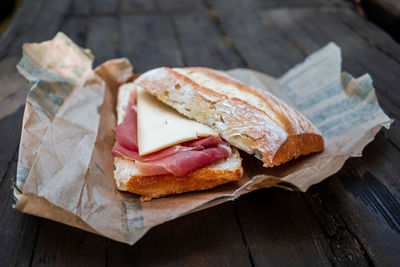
column 160, row 126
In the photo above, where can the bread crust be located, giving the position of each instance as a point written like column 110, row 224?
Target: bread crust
column 217, row 173
column 163, row 185
column 248, row 118
column 200, row 179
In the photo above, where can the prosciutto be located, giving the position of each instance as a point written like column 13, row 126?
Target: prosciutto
column 182, row 163
column 126, row 132
column 119, row 150
column 205, row 141
column 178, row 160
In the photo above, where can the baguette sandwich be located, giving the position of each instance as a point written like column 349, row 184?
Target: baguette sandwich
column 159, row 152
column 219, row 106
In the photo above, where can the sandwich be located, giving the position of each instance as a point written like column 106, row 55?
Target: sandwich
column 224, row 113
column 160, row 152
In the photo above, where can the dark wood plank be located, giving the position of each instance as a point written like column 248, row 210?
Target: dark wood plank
column 10, row 132
column 243, row 25
column 33, row 30
column 119, row 254
column 18, row 231
column 18, row 25
column 280, row 230
column 379, row 159
column 103, row 38
column 371, row 33
column 181, row 6
column 75, row 27
column 363, row 199
column 149, row 41
column 201, row 43
column 128, row 6
column 80, row 7
column 62, row 245
column 27, row 26
column 359, row 57
column 13, row 88
column 300, row 3
column 104, row 6
column 206, row 238
column 385, row 13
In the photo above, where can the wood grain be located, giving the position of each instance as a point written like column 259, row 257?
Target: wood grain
column 385, row 13
column 280, row 229
column 76, row 28
column 103, row 38
column 62, row 245
column 18, row 231
column 11, row 131
column 149, row 41
column 206, row 238
column 202, row 44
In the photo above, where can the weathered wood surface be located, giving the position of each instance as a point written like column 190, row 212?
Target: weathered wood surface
column 385, row 13
column 352, row 218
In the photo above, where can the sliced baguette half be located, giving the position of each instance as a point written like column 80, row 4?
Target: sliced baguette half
column 248, row 118
column 129, row 178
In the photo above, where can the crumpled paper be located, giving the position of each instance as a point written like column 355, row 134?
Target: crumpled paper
column 65, row 167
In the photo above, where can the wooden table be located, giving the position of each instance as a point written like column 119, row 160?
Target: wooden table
column 352, row 218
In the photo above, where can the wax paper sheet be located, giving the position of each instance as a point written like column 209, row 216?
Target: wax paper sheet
column 65, row 167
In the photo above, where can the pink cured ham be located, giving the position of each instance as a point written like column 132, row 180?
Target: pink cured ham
column 126, row 132
column 205, row 141
column 119, row 150
column 182, row 163
column 178, row 160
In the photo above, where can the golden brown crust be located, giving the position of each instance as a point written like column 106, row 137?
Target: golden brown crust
column 298, row 145
column 162, row 185
column 270, row 101
column 295, row 145
column 210, row 176
column 272, row 130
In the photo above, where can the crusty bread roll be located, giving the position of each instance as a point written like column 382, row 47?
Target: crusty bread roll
column 248, row 118
column 129, row 178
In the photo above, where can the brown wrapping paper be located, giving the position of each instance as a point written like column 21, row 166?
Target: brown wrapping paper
column 65, row 167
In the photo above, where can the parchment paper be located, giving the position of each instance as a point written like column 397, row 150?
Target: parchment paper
column 65, row 167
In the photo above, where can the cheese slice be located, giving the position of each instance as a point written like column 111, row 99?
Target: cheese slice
column 160, row 126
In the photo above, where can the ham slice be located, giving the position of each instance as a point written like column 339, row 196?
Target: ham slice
column 126, row 132
column 119, row 150
column 178, row 160
column 182, row 163
column 205, row 141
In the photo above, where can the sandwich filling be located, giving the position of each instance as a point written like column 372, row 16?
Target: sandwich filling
column 177, row 159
